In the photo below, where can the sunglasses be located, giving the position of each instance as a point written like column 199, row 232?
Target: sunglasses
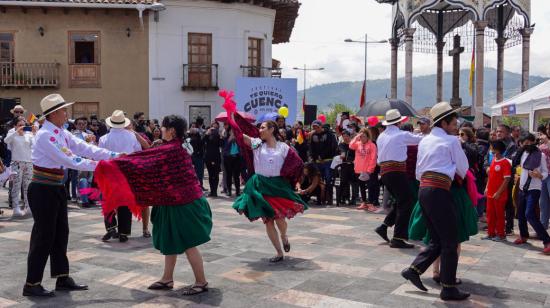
column 462, row 134
column 18, row 112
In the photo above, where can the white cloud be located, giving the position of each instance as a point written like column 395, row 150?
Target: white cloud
column 320, row 30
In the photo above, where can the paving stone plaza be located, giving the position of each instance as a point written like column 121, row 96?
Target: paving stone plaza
column 336, row 261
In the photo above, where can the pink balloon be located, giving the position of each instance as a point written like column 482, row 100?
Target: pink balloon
column 322, row 118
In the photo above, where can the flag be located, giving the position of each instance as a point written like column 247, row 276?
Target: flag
column 300, row 137
column 304, row 103
column 472, row 70
column 31, row 118
column 363, row 94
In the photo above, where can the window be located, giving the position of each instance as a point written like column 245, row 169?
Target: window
column 200, row 59
column 84, row 47
column 254, row 57
column 84, row 109
column 6, row 47
column 84, row 59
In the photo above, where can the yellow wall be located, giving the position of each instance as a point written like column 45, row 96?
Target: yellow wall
column 124, row 60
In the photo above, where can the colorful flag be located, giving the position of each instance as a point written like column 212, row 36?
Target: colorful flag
column 304, row 104
column 300, row 137
column 472, row 70
column 31, row 118
column 363, row 94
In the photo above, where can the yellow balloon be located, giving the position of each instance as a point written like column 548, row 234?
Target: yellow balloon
column 283, row 111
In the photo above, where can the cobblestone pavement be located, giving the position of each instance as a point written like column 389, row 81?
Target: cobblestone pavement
column 336, row 261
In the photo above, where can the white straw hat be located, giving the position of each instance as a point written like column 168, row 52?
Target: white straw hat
column 393, row 116
column 17, row 107
column 440, row 110
column 51, row 103
column 117, row 120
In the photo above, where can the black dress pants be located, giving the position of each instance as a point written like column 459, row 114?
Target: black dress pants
column 510, row 211
column 124, row 223
column 50, row 232
column 214, row 169
column 397, row 184
column 440, row 214
column 233, row 168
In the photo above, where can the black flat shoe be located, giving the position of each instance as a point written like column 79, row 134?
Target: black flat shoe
column 286, row 246
column 68, row 284
column 276, row 259
column 37, row 291
column 146, row 234
column 382, row 230
column 159, row 285
column 453, row 294
column 400, row 244
column 414, row 278
column 122, row 238
column 437, row 280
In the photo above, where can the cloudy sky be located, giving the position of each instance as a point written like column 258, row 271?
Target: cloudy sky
column 323, row 25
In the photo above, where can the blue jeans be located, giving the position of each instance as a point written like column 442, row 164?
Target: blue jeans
column 526, row 213
column 326, row 172
column 545, row 202
column 73, row 177
column 83, row 183
column 481, row 206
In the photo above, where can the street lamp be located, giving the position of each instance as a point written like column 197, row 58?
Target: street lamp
column 366, row 42
column 306, row 69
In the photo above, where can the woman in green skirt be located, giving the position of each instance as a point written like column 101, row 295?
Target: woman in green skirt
column 181, row 228
column 466, row 219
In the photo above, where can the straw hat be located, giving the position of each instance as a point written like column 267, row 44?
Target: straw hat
column 440, row 110
column 51, row 103
column 393, row 116
column 17, row 107
column 117, row 120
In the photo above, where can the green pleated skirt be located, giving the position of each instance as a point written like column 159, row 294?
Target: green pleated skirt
column 466, row 218
column 177, row 228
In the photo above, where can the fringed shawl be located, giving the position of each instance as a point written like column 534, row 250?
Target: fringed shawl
column 160, row 176
column 293, row 165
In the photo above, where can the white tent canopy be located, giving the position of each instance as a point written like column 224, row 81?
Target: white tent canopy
column 533, row 99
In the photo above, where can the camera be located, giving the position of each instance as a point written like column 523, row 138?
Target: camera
column 27, row 128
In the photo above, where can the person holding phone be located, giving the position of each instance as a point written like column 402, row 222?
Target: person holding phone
column 20, row 142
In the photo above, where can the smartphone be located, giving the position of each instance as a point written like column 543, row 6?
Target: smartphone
column 27, row 128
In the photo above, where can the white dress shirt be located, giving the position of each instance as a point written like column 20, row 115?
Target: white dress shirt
column 392, row 144
column 57, row 148
column 269, row 161
column 20, row 146
column 442, row 153
column 120, row 140
column 536, row 184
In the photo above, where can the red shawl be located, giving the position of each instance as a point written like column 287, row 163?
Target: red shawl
column 293, row 165
column 159, row 176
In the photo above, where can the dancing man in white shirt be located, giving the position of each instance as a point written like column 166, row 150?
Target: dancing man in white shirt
column 119, row 139
column 440, row 157
column 54, row 150
column 392, row 155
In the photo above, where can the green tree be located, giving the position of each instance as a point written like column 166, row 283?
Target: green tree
column 336, row 109
column 511, row 121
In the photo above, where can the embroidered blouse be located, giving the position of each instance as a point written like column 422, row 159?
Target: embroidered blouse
column 268, row 161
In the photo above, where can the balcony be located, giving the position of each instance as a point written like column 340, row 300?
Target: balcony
column 29, row 75
column 259, row 71
column 200, row 77
column 85, row 75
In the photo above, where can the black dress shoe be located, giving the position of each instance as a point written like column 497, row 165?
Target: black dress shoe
column 37, row 290
column 395, row 243
column 109, row 235
column 453, row 294
column 68, row 284
column 414, row 278
column 122, row 238
column 382, row 230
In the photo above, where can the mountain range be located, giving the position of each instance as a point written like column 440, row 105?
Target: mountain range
column 349, row 92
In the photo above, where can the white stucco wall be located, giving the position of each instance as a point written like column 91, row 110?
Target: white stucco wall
column 230, row 24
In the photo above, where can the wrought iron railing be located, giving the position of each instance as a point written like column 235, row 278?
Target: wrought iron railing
column 30, row 75
column 260, row 71
column 200, row 77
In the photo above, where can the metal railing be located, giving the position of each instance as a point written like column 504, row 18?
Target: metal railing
column 200, row 77
column 30, row 75
column 260, row 71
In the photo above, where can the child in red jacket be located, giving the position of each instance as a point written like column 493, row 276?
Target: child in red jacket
column 499, row 172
